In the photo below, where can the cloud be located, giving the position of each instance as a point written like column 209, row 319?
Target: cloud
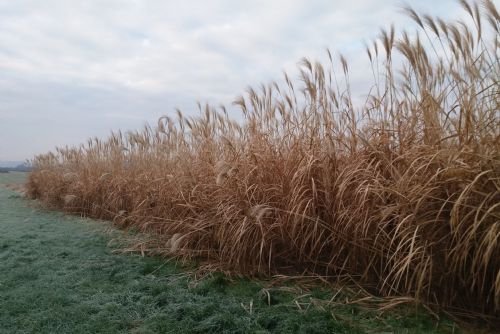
column 74, row 69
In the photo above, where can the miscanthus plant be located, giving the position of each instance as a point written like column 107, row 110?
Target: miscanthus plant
column 400, row 193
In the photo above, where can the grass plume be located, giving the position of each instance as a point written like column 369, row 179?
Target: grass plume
column 400, row 193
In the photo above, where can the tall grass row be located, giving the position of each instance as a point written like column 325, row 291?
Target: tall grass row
column 400, row 193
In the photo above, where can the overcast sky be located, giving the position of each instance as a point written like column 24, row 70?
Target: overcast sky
column 70, row 70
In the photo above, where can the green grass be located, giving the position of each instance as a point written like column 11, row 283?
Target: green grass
column 13, row 178
column 59, row 276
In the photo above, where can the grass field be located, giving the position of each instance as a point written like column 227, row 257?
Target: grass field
column 59, row 276
column 398, row 192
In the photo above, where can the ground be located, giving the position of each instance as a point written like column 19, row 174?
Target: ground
column 58, row 275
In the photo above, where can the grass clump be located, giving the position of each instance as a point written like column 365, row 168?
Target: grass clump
column 59, row 276
column 400, row 194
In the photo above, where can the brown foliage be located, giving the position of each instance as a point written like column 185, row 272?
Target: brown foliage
column 401, row 193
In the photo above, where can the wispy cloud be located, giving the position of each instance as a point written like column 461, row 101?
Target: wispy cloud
column 74, row 69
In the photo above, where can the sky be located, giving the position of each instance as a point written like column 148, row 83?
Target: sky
column 70, row 70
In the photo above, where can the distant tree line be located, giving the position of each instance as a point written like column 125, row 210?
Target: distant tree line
column 19, row 168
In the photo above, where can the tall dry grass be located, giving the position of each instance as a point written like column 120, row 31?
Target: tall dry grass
column 400, row 193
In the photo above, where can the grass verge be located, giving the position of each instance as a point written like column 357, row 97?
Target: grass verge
column 58, row 276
